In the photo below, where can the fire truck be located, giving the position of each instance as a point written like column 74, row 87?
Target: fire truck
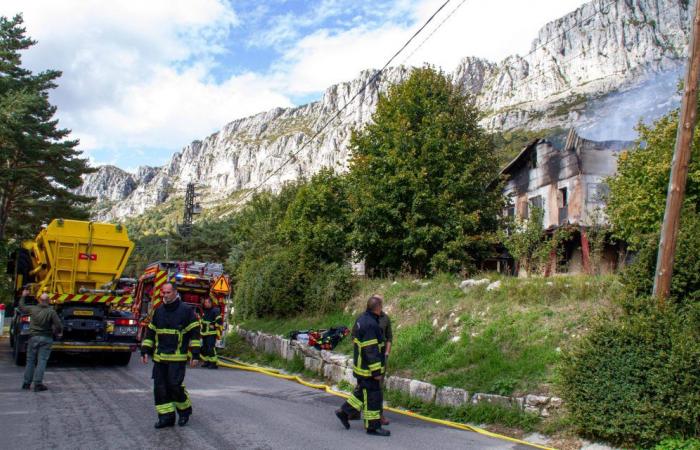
column 79, row 265
column 193, row 280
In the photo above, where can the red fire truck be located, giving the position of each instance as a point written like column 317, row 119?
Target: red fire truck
column 193, row 280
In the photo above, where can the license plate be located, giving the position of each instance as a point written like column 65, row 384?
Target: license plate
column 83, row 312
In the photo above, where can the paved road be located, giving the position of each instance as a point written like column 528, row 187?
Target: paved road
column 111, row 407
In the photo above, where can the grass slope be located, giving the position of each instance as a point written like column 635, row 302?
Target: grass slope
column 504, row 341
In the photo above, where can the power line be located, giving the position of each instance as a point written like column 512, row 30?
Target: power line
column 577, row 23
column 337, row 114
column 433, row 32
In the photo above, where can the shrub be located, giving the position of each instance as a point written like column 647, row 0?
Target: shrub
column 685, row 285
column 636, row 379
column 280, row 284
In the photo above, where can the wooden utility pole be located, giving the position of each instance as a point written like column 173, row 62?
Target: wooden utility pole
column 679, row 166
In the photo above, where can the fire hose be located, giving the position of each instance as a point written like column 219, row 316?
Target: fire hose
column 231, row 363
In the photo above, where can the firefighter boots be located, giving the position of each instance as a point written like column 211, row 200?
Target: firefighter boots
column 379, row 432
column 343, row 417
column 164, row 422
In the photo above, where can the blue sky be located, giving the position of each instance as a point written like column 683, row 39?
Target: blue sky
column 143, row 79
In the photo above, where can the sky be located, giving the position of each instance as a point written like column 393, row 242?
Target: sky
column 142, row 79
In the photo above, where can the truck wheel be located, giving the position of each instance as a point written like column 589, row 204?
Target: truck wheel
column 120, row 358
column 19, row 357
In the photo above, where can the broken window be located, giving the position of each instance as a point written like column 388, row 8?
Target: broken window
column 535, row 202
column 563, row 198
column 533, row 157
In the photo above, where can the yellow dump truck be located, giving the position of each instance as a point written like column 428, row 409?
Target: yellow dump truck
column 79, row 266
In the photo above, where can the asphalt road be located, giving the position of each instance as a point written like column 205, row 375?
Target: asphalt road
column 107, row 407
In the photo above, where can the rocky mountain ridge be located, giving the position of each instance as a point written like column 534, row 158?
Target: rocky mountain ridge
column 605, row 53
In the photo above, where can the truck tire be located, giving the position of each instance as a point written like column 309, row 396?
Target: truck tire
column 120, row 358
column 19, row 357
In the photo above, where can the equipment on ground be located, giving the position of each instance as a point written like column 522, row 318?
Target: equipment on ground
column 193, row 280
column 78, row 264
column 321, row 339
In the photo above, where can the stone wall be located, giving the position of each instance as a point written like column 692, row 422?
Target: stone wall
column 336, row 367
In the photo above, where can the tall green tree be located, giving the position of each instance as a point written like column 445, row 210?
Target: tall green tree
column 423, row 175
column 637, row 197
column 40, row 165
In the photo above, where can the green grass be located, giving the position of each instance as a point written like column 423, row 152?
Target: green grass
column 237, row 347
column 678, row 444
column 505, row 341
column 476, row 414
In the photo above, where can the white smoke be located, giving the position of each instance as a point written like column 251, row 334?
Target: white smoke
column 614, row 116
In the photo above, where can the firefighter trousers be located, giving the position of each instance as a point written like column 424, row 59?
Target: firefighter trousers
column 169, row 391
column 366, row 398
column 208, row 350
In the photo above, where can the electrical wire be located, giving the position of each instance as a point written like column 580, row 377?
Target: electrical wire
column 343, row 108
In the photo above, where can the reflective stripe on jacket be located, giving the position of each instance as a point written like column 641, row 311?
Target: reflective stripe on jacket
column 212, row 322
column 173, row 330
column 368, row 340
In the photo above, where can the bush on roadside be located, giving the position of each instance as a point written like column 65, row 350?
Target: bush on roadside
column 636, row 379
column 280, row 284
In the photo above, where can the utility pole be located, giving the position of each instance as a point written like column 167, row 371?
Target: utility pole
column 191, row 209
column 679, row 166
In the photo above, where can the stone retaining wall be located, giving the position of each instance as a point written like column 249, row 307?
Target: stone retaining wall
column 336, row 367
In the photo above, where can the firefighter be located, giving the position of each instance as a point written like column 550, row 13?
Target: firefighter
column 368, row 367
column 173, row 329
column 212, row 326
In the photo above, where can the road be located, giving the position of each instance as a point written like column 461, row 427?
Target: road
column 112, row 407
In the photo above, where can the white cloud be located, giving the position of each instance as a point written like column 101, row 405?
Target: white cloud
column 476, row 29
column 138, row 74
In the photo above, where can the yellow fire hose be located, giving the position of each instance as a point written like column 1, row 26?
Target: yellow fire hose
column 230, row 363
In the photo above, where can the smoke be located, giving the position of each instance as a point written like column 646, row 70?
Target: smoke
column 614, row 116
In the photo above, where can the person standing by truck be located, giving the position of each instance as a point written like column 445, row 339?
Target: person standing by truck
column 44, row 324
column 173, row 330
column 212, row 325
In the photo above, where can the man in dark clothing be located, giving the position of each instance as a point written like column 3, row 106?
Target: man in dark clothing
column 43, row 325
column 172, row 331
column 212, row 326
column 368, row 367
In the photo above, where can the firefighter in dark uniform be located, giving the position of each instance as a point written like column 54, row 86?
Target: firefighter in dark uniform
column 172, row 331
column 212, row 326
column 368, row 367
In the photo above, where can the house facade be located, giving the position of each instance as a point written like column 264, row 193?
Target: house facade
column 567, row 181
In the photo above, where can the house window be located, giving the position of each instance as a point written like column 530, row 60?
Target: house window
column 535, row 203
column 533, row 158
column 563, row 198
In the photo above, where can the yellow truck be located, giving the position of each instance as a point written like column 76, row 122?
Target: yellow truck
column 79, row 266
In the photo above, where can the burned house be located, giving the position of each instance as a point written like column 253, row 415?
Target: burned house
column 566, row 180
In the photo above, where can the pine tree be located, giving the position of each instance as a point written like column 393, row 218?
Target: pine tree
column 39, row 164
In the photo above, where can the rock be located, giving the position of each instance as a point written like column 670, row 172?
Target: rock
column 449, row 396
column 398, row 384
column 536, row 400
column 455, row 339
column 435, row 323
column 422, row 390
column 555, row 402
column 313, row 364
column 493, row 398
column 536, row 438
column 494, row 286
column 468, row 284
